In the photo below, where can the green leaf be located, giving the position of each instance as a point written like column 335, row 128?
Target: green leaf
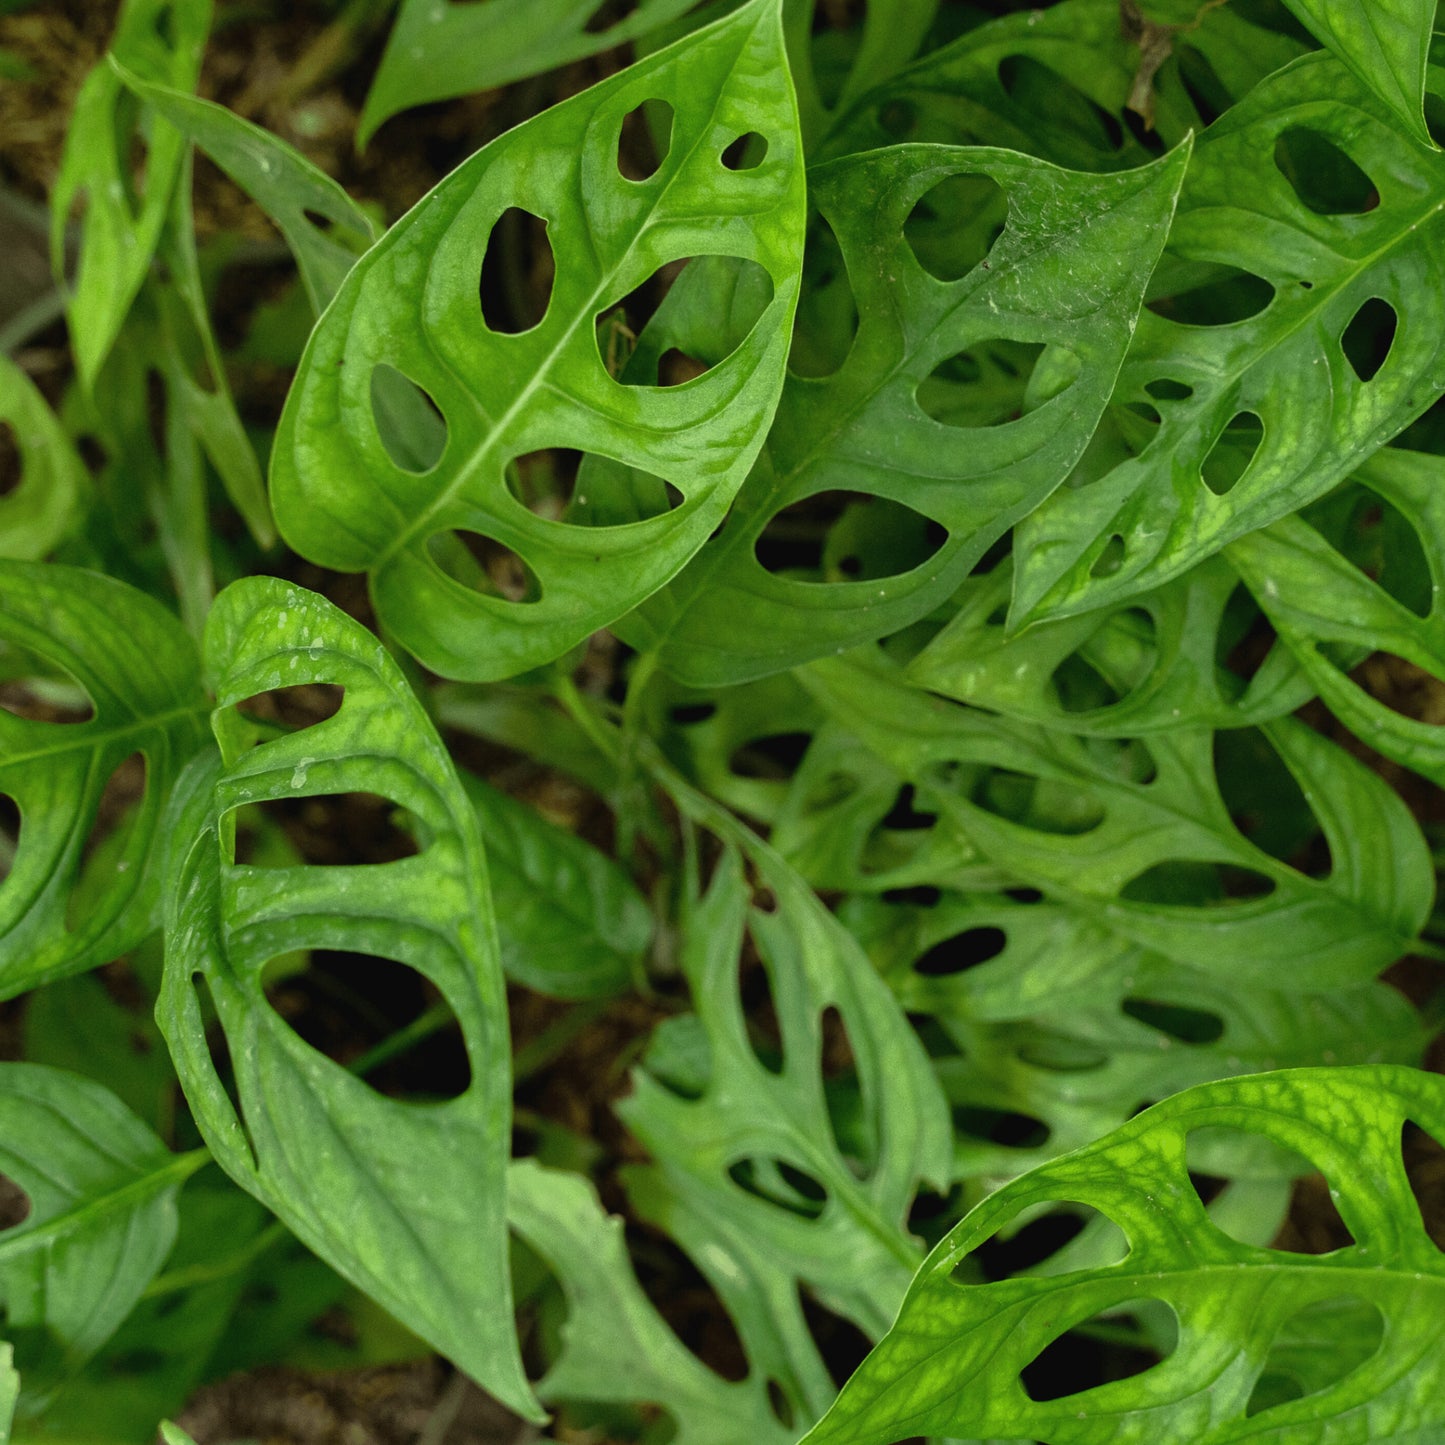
column 1386, row 43
column 615, row 1346
column 405, row 1200
column 1085, row 820
column 1324, row 606
column 278, row 178
column 120, row 229
column 1342, row 234
column 75, row 898
column 174, row 1435
column 1063, row 283
column 411, row 305
column 754, row 1167
column 101, row 1219
column 570, row 921
column 1151, row 665
column 439, row 49
column 951, row 1364
column 43, row 508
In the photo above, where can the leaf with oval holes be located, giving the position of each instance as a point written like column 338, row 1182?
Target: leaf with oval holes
column 1321, row 260
column 289, row 188
column 160, row 40
column 84, row 884
column 1151, row 665
column 570, row 922
column 101, row 1218
column 1386, row 43
column 1061, row 287
column 411, row 304
column 439, row 49
column 1137, row 836
column 44, row 503
column 751, row 1176
column 1057, row 1018
column 1055, row 83
column 1322, row 603
column 615, row 1347
column 405, row 1200
column 952, row 1364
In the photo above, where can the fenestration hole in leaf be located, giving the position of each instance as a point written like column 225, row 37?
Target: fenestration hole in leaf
column 1315, row 1349
column 9, row 834
column 826, row 321
column 324, row 830
column 1092, row 1352
column 1006, row 1127
column 780, row 1183
column 841, row 1343
column 411, row 429
column 1266, row 802
column 15, row 1204
column 587, row 489
column 1045, row 94
column 833, row 537
column 102, row 859
column 379, row 1018
column 518, row 268
column 1180, row 1022
column 1384, row 544
column 746, row 153
column 1165, row 388
column 1230, row 297
column 1322, row 175
column 1050, row 1238
column 774, row 755
column 1424, row 1159
column 962, row 951
column 1234, row 449
column 1110, row 558
column 1191, row 883
column 719, row 302
column 954, row 225
column 644, row 140
column 293, row 708
column 997, row 381
column 1047, row 805
column 485, row 565
column 52, row 695
column 10, row 465
column 1368, row 338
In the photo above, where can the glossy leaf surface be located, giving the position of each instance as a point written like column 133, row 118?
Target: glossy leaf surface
column 951, row 1365
column 412, row 305
column 407, row 1200
column 82, row 889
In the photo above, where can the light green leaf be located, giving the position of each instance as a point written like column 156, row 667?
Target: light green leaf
column 9, row 1392
column 754, row 1169
column 44, row 507
column 411, row 305
column 174, row 1435
column 407, row 1201
column 439, row 49
column 1323, row 605
column 570, row 921
column 1386, row 43
column 69, row 904
column 101, row 1220
column 1133, row 669
column 951, row 1364
column 120, row 229
column 1308, row 187
column 1060, row 286
column 615, row 1346
column 1138, row 832
column 287, row 186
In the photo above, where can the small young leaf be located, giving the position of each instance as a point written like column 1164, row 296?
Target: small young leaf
column 952, row 1364
column 347, row 500
column 101, row 1191
column 406, row 1200
column 53, row 486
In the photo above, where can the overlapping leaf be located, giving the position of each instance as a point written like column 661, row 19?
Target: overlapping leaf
column 405, row 1200
column 951, row 1365
column 102, row 1218
column 615, row 1346
column 1308, row 187
column 439, row 49
column 69, row 904
column 44, row 505
column 1065, row 278
column 752, row 1176
column 411, row 305
column 160, row 40
column 1322, row 604
column 1086, row 822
